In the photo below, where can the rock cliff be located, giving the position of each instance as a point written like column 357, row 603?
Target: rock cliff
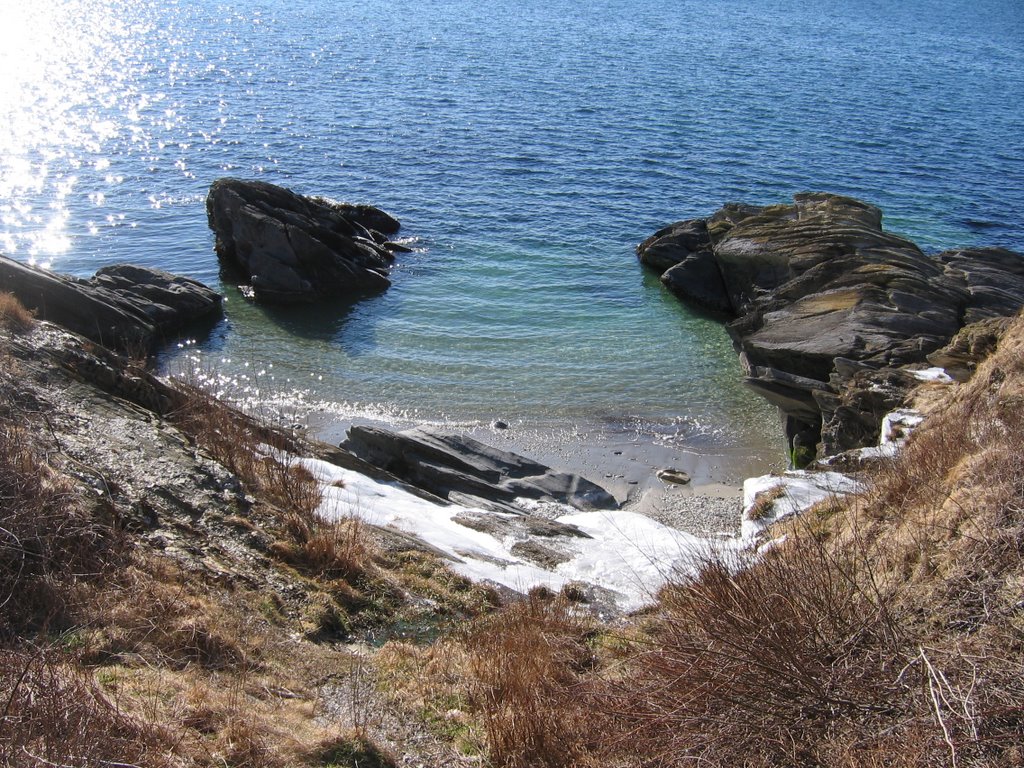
column 826, row 305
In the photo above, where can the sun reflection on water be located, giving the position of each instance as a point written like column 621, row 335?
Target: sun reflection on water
column 66, row 94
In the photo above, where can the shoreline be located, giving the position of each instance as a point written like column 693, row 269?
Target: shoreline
column 710, row 505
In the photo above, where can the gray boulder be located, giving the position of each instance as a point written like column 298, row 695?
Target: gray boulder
column 123, row 307
column 290, row 249
column 455, row 467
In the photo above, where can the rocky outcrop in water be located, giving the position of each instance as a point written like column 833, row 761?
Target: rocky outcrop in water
column 826, row 303
column 124, row 307
column 459, row 468
column 289, row 249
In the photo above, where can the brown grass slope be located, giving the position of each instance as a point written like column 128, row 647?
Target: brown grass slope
column 884, row 630
column 168, row 595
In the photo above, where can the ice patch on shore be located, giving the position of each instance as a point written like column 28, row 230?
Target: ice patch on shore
column 933, row 374
column 798, row 491
column 897, row 426
column 626, row 552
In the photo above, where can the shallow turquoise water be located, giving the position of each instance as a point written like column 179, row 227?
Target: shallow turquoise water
column 526, row 147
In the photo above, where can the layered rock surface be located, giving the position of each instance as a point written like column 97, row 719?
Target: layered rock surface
column 825, row 304
column 290, row 249
column 124, row 307
column 459, row 468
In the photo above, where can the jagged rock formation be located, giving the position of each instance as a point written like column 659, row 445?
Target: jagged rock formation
column 293, row 249
column 826, row 304
column 459, row 468
column 124, row 307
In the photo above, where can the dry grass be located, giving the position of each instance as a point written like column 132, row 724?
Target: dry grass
column 524, row 662
column 53, row 714
column 154, row 613
column 763, row 507
column 507, row 684
column 762, row 665
column 13, row 315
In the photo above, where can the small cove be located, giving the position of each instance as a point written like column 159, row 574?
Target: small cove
column 526, row 149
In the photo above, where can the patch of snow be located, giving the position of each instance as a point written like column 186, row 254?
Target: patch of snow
column 886, row 451
column 632, row 554
column 801, row 490
column 627, row 552
column 897, row 426
column 933, row 374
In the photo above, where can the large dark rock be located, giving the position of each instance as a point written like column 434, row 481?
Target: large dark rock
column 449, row 464
column 820, row 293
column 293, row 249
column 682, row 254
column 124, row 307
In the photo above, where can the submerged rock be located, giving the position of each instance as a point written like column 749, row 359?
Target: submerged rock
column 825, row 301
column 125, row 307
column 455, row 465
column 294, row 249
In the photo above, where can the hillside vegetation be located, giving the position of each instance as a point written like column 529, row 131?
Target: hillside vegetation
column 885, row 629
column 168, row 597
column 201, row 615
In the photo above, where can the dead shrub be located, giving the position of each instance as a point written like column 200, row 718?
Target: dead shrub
column 524, row 666
column 330, row 549
column 53, row 714
column 759, row 665
column 261, row 457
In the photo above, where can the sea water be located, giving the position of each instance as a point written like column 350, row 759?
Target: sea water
column 526, row 147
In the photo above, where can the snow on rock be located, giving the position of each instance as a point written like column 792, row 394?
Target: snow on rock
column 627, row 553
column 897, row 426
column 799, row 490
column 632, row 554
column 933, row 374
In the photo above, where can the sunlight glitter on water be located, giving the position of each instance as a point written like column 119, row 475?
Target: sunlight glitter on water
column 73, row 107
column 527, row 147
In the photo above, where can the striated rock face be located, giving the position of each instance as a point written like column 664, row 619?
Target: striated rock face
column 293, row 249
column 124, row 307
column 970, row 347
column 462, row 469
column 824, row 299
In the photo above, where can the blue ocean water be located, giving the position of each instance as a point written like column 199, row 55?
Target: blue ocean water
column 526, row 147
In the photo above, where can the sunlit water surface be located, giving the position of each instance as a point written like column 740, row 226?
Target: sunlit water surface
column 526, row 147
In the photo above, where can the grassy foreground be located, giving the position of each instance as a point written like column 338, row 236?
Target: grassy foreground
column 884, row 630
